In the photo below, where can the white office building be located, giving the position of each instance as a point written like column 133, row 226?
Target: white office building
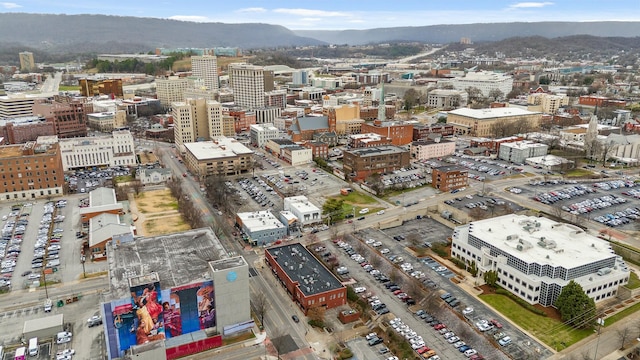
column 206, row 68
column 247, row 82
column 519, row 151
column 116, row 149
column 485, row 81
column 536, row 257
column 16, row 105
column 261, row 133
column 306, row 212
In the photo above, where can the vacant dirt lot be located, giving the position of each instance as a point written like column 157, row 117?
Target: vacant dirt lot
column 157, row 212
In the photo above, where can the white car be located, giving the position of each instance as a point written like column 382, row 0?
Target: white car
column 360, row 289
column 380, row 212
column 63, row 337
column 370, row 241
column 376, row 244
column 66, row 352
column 470, row 352
column 504, row 341
column 385, row 251
column 364, row 211
column 468, row 310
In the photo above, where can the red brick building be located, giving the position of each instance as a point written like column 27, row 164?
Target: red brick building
column 357, row 141
column 22, row 130
column 318, row 149
column 602, row 101
column 493, row 144
column 358, row 164
column 303, row 128
column 307, row 281
column 422, row 131
column 371, row 112
column 447, row 178
column 399, row 133
column 242, row 120
column 67, row 114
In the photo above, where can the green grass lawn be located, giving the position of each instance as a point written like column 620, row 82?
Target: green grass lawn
column 356, row 197
column 621, row 315
column 578, row 173
column 69, row 88
column 634, row 282
column 550, row 331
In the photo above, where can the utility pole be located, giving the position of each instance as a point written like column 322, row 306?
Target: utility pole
column 600, row 322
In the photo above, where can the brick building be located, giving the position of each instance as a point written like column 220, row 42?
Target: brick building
column 30, row 171
column 303, row 128
column 399, row 133
column 319, row 149
column 422, row 131
column 22, row 130
column 307, row 281
column 371, row 112
column 357, row 141
column 493, row 145
column 360, row 163
column 602, row 101
column 242, row 120
column 68, row 115
column 447, row 178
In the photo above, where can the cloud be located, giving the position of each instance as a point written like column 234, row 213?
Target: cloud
column 310, row 12
column 252, row 10
column 526, row 5
column 192, row 18
column 8, row 5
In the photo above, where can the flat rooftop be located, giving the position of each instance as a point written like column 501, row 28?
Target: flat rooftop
column 522, row 144
column 301, row 203
column 377, row 151
column 484, row 114
column 221, row 148
column 541, row 240
column 179, row 259
column 447, row 168
column 226, row 264
column 260, row 221
column 302, row 267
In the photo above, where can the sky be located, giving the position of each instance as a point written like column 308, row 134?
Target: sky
column 344, row 14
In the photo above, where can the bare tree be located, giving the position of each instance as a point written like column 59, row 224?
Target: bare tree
column 605, row 149
column 623, row 334
column 136, row 185
column 260, row 306
column 279, row 340
column 375, row 261
column 395, row 275
column 316, row 314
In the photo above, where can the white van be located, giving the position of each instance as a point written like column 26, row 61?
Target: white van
column 33, row 346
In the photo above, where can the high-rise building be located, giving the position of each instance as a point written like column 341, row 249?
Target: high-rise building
column 247, row 82
column 206, row 68
column 196, row 119
column 171, row 90
column 26, row 61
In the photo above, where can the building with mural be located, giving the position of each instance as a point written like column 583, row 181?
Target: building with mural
column 180, row 293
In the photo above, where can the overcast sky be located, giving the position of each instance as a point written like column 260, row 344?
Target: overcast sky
column 343, row 14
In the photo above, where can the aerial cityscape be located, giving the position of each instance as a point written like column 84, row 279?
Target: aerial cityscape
column 332, row 182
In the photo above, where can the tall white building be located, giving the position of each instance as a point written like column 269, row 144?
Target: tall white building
column 536, row 257
column 171, row 90
column 206, row 68
column 116, row 149
column 485, row 81
column 196, row 119
column 247, row 82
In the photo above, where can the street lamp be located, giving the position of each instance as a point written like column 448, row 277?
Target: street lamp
column 600, row 322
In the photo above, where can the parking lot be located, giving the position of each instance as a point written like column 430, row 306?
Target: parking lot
column 480, row 168
column 486, row 205
column 83, row 181
column 41, row 241
column 615, row 203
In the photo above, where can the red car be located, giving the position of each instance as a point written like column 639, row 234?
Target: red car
column 440, row 326
column 184, row 174
column 397, row 292
column 422, row 350
column 495, row 323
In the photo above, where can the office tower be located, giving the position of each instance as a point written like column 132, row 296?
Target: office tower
column 206, row 68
